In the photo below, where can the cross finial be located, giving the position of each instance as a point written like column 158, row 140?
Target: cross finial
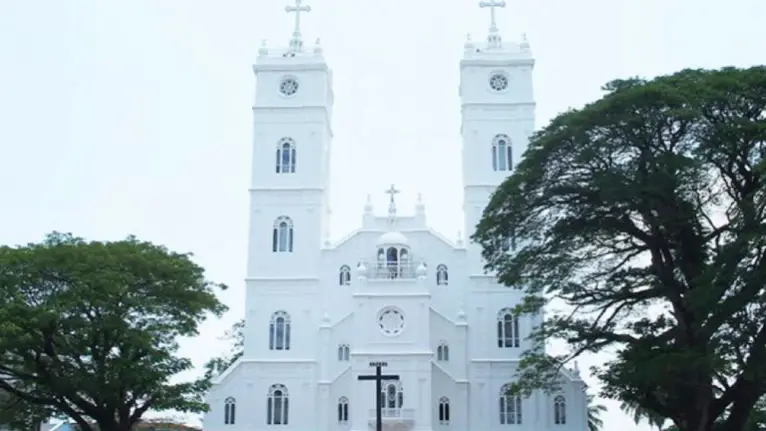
column 391, row 191
column 296, row 42
column 492, row 4
column 392, row 204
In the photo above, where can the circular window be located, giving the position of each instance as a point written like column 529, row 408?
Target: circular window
column 391, row 321
column 498, row 82
column 288, row 86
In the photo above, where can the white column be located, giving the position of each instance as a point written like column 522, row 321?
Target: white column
column 461, row 407
column 325, row 406
column 424, row 415
column 358, row 402
column 461, row 350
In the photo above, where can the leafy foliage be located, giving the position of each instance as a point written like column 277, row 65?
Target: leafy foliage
column 219, row 364
column 640, row 414
column 17, row 414
column 595, row 423
column 90, row 329
column 644, row 212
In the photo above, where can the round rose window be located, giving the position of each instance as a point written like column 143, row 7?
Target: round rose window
column 391, row 321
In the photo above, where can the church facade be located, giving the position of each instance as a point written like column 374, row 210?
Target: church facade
column 393, row 291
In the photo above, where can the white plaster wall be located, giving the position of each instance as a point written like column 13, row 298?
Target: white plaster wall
column 249, row 384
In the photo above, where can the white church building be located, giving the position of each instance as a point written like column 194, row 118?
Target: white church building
column 393, row 291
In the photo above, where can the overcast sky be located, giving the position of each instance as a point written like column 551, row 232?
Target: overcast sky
column 133, row 116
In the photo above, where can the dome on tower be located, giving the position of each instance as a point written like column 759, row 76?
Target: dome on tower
column 392, row 238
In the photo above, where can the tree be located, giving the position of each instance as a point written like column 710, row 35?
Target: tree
column 236, row 335
column 90, row 329
column 17, row 414
column 640, row 414
column 595, row 423
column 644, row 212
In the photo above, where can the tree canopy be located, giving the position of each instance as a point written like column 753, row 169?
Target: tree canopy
column 644, row 212
column 91, row 329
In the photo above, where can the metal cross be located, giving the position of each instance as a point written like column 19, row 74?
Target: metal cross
column 379, row 377
column 298, row 8
column 492, row 4
column 391, row 192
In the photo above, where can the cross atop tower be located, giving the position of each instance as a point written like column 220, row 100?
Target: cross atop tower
column 296, row 43
column 492, row 4
column 392, row 191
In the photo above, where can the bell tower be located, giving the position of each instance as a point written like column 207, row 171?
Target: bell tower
column 291, row 152
column 498, row 117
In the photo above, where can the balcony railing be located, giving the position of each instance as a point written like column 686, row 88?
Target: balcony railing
column 392, row 271
column 394, row 414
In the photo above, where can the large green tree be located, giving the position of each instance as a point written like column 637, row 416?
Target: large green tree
column 90, row 329
column 644, row 213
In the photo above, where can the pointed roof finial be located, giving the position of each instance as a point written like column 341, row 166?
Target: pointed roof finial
column 493, row 39
column 392, row 191
column 368, row 205
column 296, row 43
column 524, row 42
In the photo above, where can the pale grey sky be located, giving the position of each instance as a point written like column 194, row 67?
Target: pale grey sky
column 133, row 116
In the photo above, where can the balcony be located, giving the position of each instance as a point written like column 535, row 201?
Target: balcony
column 392, row 271
column 394, row 419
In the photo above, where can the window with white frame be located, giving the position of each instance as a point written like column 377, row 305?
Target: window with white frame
column 343, row 410
column 286, row 156
column 507, row 329
column 229, row 411
column 442, row 352
column 277, row 406
column 444, row 411
column 344, row 352
column 502, row 153
column 559, row 410
column 282, row 235
column 442, row 275
column 279, row 331
column 510, row 407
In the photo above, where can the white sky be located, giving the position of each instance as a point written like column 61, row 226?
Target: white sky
column 133, row 116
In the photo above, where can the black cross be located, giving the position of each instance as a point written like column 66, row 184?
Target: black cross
column 379, row 377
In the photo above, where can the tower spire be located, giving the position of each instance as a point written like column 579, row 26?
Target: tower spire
column 296, row 42
column 493, row 38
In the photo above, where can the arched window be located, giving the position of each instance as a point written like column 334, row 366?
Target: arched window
column 502, row 153
column 282, row 237
column 277, row 406
column 393, row 395
column 286, row 156
column 343, row 410
column 442, row 276
column 229, row 411
column 279, row 331
column 442, row 352
column 344, row 352
column 510, row 407
column 507, row 329
column 344, row 275
column 444, row 411
column 559, row 410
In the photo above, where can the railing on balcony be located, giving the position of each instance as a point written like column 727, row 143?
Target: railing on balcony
column 394, row 414
column 392, row 271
